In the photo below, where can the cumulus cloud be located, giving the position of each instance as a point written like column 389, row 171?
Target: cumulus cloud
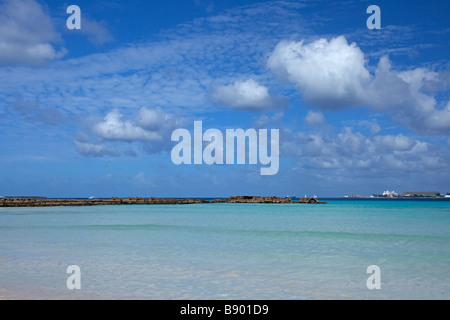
column 247, row 95
column 353, row 151
column 26, row 34
column 439, row 119
column 330, row 74
column 333, row 75
column 390, row 143
column 151, row 127
column 114, row 128
column 400, row 94
column 314, row 119
column 157, row 119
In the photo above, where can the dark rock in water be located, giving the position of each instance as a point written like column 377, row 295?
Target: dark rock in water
column 45, row 202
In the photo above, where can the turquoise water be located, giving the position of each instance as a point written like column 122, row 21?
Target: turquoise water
column 228, row 251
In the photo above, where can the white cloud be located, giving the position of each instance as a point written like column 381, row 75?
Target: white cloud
column 390, row 143
column 151, row 127
column 247, row 95
column 352, row 151
column 114, row 128
column 333, row 75
column 330, row 74
column 439, row 120
column 150, row 118
column 26, row 34
column 314, row 119
column 157, row 119
column 399, row 93
column 417, row 78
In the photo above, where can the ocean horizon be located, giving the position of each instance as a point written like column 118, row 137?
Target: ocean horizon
column 228, row 251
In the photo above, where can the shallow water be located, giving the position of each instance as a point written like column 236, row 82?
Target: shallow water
column 228, row 251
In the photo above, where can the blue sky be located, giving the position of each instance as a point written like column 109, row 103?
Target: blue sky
column 91, row 111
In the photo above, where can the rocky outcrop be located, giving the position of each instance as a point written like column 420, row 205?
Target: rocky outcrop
column 257, row 199
column 310, row 200
column 44, row 202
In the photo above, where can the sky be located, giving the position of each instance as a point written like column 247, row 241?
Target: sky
column 91, row 111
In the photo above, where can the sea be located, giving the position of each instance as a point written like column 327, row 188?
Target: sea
column 226, row 251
